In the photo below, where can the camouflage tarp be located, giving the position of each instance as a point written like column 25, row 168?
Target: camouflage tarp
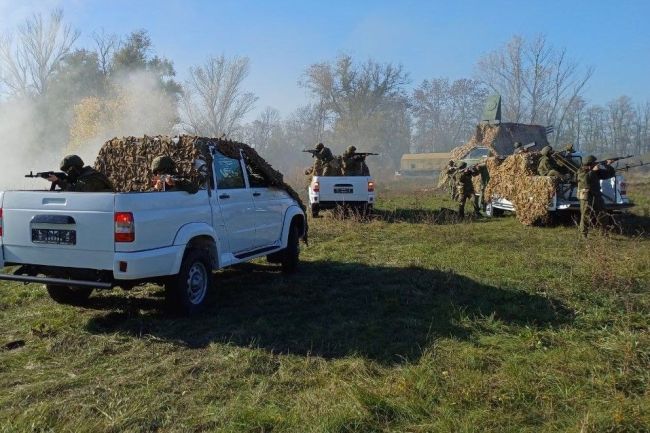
column 515, row 179
column 127, row 160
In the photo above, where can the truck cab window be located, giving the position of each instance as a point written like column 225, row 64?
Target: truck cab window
column 229, row 172
column 256, row 178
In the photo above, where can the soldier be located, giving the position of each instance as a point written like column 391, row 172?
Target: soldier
column 165, row 179
column 352, row 164
column 449, row 171
column 547, row 165
column 465, row 188
column 592, row 205
column 80, row 178
column 323, row 157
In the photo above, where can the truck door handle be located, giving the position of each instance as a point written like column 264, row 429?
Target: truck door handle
column 224, row 196
column 257, row 194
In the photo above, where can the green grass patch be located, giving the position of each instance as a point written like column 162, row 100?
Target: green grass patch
column 408, row 322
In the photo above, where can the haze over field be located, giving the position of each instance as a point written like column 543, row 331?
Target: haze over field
column 387, row 78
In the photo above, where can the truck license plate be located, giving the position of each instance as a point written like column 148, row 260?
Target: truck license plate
column 343, row 190
column 53, row 236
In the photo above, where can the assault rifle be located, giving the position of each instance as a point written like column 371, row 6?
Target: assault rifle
column 312, row 151
column 364, row 154
column 618, row 158
column 46, row 174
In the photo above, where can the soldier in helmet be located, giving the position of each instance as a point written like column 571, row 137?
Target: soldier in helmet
column 353, row 165
column 547, row 165
column 449, row 171
column 323, row 157
column 465, row 188
column 592, row 205
column 80, row 178
column 165, row 179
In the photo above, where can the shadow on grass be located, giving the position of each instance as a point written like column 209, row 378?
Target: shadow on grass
column 427, row 216
column 331, row 309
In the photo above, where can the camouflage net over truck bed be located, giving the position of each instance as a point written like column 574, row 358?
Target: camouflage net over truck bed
column 500, row 139
column 127, row 160
column 515, row 179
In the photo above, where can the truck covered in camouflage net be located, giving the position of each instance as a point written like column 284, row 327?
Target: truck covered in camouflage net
column 75, row 242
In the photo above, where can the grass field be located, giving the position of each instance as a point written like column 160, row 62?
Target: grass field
column 406, row 323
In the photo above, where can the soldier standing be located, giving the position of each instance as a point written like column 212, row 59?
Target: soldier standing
column 465, row 188
column 165, row 179
column 449, row 171
column 80, row 178
column 592, row 205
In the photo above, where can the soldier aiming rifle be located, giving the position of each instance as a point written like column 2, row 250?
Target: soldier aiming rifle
column 323, row 157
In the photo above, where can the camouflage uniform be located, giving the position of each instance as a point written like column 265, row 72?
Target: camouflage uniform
column 82, row 179
column 352, row 164
column 164, row 165
column 465, row 188
column 547, row 165
column 592, row 205
column 485, row 178
column 322, row 163
column 450, row 170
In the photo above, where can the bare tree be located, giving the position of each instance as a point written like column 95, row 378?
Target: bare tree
column 537, row 81
column 105, row 47
column 213, row 102
column 40, row 47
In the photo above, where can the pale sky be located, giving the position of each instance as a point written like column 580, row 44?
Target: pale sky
column 429, row 38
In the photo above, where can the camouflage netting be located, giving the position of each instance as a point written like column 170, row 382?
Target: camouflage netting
column 500, row 139
column 127, row 161
column 515, row 180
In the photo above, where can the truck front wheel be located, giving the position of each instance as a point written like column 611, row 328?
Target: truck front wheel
column 491, row 211
column 291, row 254
column 186, row 291
column 68, row 295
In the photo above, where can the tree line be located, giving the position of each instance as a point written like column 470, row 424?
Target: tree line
column 119, row 86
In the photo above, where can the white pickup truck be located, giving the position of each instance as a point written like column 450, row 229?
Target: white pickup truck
column 614, row 191
column 354, row 192
column 75, row 242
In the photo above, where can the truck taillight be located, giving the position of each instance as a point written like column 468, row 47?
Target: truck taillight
column 0, row 222
column 371, row 186
column 124, row 227
column 315, row 187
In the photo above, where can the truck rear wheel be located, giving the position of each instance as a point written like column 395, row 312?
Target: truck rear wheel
column 291, row 254
column 68, row 295
column 187, row 291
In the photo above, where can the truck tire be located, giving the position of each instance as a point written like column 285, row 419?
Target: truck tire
column 187, row 291
column 491, row 211
column 314, row 210
column 291, row 254
column 68, row 295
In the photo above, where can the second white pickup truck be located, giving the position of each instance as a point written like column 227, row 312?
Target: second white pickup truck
column 75, row 242
column 328, row 192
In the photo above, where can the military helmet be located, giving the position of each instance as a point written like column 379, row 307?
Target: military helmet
column 589, row 160
column 163, row 164
column 517, row 145
column 546, row 150
column 319, row 146
column 71, row 161
column 351, row 149
column 462, row 165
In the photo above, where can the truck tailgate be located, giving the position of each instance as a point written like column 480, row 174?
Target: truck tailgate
column 58, row 228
